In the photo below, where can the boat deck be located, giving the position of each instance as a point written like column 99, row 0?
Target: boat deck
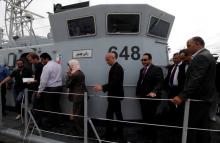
column 132, row 133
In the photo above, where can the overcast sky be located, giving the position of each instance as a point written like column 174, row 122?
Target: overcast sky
column 192, row 18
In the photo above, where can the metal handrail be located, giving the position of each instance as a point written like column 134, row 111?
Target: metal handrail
column 87, row 119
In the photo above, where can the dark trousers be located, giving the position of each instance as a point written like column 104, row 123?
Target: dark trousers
column 3, row 94
column 148, row 110
column 114, row 107
column 51, row 103
column 174, row 117
column 175, row 113
column 38, row 103
column 199, row 118
column 18, row 97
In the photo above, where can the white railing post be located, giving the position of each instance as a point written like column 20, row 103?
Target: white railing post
column 25, row 108
column 85, row 118
column 185, row 121
column 0, row 106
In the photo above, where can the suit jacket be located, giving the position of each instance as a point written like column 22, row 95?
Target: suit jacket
column 114, row 87
column 180, row 77
column 76, row 84
column 200, row 77
column 151, row 82
column 218, row 77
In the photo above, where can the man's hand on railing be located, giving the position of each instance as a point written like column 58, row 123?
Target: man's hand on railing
column 177, row 100
column 38, row 94
column 98, row 88
column 152, row 94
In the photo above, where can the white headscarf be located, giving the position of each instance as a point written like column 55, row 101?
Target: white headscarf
column 74, row 65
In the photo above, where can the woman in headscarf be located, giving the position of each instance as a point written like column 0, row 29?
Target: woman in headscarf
column 76, row 84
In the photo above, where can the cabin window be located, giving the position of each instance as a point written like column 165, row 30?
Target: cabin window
column 2, row 60
column 158, row 27
column 84, row 26
column 123, row 23
column 11, row 60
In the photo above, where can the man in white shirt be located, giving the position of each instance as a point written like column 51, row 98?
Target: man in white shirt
column 50, row 81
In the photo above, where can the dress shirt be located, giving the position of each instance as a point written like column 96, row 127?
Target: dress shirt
column 51, row 76
column 186, row 67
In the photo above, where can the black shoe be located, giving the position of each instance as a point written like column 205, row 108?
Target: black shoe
column 122, row 140
column 107, row 137
column 47, row 127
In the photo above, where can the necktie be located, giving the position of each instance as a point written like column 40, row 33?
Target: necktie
column 172, row 75
column 144, row 73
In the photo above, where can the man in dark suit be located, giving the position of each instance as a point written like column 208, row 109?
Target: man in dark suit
column 149, row 86
column 174, row 79
column 200, row 85
column 38, row 102
column 114, row 87
column 218, row 82
column 215, row 101
column 174, row 83
column 218, row 77
column 185, row 57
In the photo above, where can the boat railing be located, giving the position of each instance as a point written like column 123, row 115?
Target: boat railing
column 28, row 118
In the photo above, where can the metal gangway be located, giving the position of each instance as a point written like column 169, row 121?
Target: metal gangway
column 26, row 134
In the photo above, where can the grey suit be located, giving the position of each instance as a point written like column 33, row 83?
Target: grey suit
column 200, row 84
column 200, row 77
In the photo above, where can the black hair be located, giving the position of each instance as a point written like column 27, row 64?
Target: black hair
column 175, row 54
column 20, row 60
column 149, row 55
column 184, row 51
column 45, row 56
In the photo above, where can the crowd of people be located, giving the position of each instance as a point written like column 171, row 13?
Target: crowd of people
column 191, row 76
column 46, row 87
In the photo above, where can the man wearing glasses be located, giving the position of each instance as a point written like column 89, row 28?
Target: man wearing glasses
column 149, row 86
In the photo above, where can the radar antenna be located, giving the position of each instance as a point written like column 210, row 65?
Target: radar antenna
column 18, row 20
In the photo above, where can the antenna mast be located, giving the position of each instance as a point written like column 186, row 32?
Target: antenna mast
column 16, row 19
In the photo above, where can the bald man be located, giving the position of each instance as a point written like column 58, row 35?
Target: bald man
column 199, row 85
column 114, row 87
